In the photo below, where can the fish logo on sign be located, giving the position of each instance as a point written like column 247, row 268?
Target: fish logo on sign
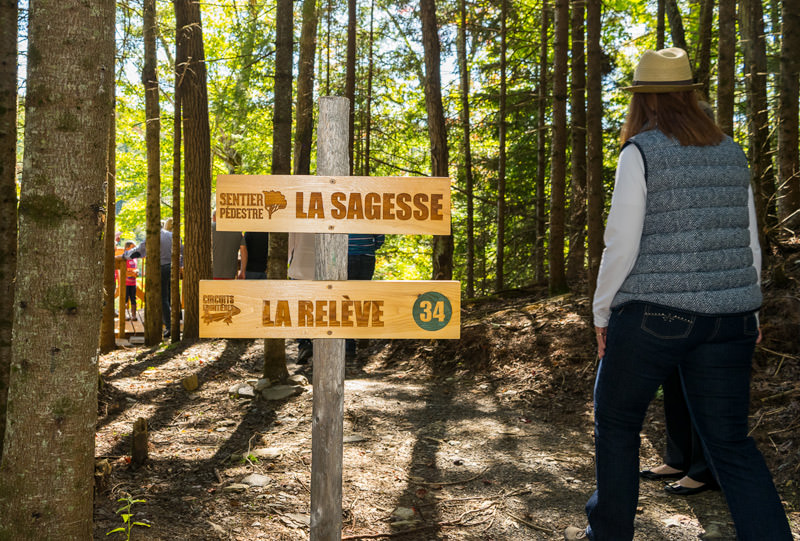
column 219, row 308
column 273, row 201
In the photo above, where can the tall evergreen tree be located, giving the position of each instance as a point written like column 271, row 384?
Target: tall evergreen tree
column 305, row 89
column 107, row 331
column 8, row 192
column 463, row 69
column 541, row 147
column 752, row 24
column 725, row 65
column 47, row 472
column 153, row 285
column 197, row 157
column 676, row 24
column 703, row 61
column 558, row 171
column 437, row 130
column 350, row 74
column 594, row 135
column 788, row 159
column 501, row 140
column 275, row 348
column 577, row 106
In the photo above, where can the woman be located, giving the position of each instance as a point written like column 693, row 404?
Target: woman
column 678, row 288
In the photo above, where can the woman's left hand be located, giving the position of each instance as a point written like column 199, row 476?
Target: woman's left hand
column 601, row 333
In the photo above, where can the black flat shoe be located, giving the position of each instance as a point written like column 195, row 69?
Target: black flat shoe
column 652, row 476
column 679, row 490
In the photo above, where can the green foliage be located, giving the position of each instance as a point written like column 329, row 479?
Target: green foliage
column 126, row 514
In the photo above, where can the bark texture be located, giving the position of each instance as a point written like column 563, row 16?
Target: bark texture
column 541, row 149
column 501, row 140
column 558, row 171
column 275, row 348
column 8, row 192
column 47, row 471
column 463, row 69
column 437, row 130
column 577, row 106
column 788, row 166
column 197, row 158
column 594, row 136
column 153, row 285
column 725, row 65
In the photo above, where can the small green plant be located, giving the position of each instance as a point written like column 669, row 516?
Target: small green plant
column 127, row 516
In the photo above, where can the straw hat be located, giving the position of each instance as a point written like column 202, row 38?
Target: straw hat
column 666, row 70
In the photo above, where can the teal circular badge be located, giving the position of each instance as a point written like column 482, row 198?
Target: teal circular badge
column 432, row 311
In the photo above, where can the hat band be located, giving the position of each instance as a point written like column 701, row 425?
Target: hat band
column 663, row 83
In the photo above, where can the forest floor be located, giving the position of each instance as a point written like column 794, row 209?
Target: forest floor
column 485, row 438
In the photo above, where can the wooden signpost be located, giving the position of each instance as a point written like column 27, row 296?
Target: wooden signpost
column 330, row 308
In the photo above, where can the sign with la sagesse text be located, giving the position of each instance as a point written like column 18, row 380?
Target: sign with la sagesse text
column 319, row 204
column 329, row 309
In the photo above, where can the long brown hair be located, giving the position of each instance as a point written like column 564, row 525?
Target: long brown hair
column 676, row 114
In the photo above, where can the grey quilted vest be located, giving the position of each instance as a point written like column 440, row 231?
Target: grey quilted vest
column 695, row 250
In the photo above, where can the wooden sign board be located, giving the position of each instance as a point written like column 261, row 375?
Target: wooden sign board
column 322, row 204
column 329, row 309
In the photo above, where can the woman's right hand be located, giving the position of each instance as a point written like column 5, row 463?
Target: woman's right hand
column 600, row 334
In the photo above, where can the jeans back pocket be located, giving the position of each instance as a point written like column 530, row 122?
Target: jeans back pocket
column 666, row 324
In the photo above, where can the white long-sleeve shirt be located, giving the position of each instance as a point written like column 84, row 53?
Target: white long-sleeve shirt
column 624, row 231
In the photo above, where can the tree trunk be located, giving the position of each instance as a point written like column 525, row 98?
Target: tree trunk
column 47, row 472
column 577, row 242
column 788, row 167
column 725, row 65
column 370, row 72
column 175, row 270
column 541, row 143
column 594, row 134
column 676, row 24
column 463, row 68
column 8, row 193
column 660, row 26
column 305, row 90
column 108, row 334
column 558, row 171
column 501, row 140
column 437, row 130
column 703, row 65
column 197, row 156
column 752, row 25
column 153, row 285
column 275, row 348
column 350, row 76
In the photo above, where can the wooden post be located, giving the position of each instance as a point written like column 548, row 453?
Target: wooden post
column 328, row 408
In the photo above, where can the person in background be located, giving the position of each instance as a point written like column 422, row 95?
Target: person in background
column 301, row 267
column 130, row 283
column 361, row 266
column 255, row 249
column 165, row 258
column 678, row 288
column 225, row 247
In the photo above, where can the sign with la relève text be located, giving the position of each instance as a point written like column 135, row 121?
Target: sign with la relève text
column 328, row 204
column 329, row 309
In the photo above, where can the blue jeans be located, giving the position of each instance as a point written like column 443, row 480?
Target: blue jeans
column 359, row 267
column 645, row 344
column 255, row 275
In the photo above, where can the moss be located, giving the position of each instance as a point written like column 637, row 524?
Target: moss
column 62, row 408
column 44, row 209
column 67, row 122
column 60, row 297
column 34, row 56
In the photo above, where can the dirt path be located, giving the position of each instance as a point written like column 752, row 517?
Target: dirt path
column 442, row 441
